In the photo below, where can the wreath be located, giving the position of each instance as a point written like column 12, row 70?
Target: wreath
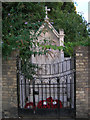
column 30, row 105
column 49, row 103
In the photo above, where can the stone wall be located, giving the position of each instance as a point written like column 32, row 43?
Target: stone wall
column 9, row 88
column 82, row 79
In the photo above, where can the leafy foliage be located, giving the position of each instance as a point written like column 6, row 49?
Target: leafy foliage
column 20, row 19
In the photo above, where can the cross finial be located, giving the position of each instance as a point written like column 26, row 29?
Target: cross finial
column 46, row 10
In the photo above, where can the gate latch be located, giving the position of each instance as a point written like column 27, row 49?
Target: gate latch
column 36, row 92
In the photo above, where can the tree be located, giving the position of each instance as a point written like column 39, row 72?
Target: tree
column 20, row 18
column 62, row 14
column 18, row 21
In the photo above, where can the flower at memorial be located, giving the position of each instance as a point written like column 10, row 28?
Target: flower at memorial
column 26, row 23
column 1, row 42
column 42, row 104
column 30, row 105
column 52, row 22
column 49, row 103
column 56, row 104
column 49, row 99
column 8, row 14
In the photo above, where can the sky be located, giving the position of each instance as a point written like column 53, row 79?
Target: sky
column 82, row 7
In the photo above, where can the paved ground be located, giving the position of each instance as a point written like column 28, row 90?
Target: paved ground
column 45, row 119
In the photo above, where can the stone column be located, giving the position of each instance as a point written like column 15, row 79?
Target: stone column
column 61, row 39
column 9, row 88
column 82, row 79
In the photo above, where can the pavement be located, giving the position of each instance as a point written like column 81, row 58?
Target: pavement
column 45, row 118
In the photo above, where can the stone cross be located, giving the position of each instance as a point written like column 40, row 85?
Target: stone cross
column 46, row 10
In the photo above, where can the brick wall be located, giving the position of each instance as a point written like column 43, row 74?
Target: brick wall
column 89, row 81
column 9, row 85
column 0, row 60
column 82, row 80
column 9, row 88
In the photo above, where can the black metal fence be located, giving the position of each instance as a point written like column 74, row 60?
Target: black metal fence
column 50, row 90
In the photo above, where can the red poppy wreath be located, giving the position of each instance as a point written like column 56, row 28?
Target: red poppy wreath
column 49, row 103
column 30, row 105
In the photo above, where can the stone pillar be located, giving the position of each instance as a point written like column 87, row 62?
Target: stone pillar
column 61, row 39
column 9, row 88
column 82, row 79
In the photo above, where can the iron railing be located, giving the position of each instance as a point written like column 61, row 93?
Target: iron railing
column 50, row 89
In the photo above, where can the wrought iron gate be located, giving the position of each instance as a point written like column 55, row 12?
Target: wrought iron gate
column 48, row 94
